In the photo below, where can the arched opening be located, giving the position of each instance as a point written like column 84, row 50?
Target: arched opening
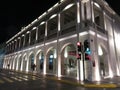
column 39, row 62
column 69, row 61
column 31, row 61
column 103, row 61
column 19, row 62
column 8, row 63
column 51, row 61
column 24, row 63
column 15, row 62
column 12, row 62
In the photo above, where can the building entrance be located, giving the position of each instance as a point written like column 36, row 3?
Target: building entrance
column 103, row 61
column 69, row 61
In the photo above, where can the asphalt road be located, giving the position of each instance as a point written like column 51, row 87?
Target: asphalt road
column 17, row 81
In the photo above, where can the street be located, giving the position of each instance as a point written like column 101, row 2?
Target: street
column 10, row 80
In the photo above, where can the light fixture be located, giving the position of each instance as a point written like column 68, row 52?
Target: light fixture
column 42, row 23
column 54, row 15
column 96, row 4
column 34, row 28
column 68, row 6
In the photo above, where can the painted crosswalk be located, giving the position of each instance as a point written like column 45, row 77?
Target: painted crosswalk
column 12, row 79
column 17, row 79
column 23, row 78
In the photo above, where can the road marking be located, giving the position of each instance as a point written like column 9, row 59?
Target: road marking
column 19, row 78
column 35, row 78
column 101, row 85
column 7, row 79
column 26, row 76
column 1, row 81
column 16, row 78
column 26, row 79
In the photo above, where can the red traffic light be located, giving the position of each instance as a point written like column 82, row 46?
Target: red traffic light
column 87, row 56
column 79, row 46
column 78, row 56
column 78, row 43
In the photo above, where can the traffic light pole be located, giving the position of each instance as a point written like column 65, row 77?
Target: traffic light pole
column 80, row 57
column 83, row 59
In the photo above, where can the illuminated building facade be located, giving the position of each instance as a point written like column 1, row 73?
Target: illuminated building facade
column 50, row 42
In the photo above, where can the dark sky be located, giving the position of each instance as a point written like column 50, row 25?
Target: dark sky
column 15, row 14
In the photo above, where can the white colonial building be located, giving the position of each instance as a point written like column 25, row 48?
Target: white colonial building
column 50, row 42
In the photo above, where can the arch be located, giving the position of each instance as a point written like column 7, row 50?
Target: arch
column 68, row 60
column 15, row 63
column 24, row 54
column 103, row 60
column 51, row 61
column 39, row 61
column 19, row 62
column 38, row 52
column 31, row 53
column 12, row 62
column 31, row 59
column 24, row 62
column 9, row 62
column 49, row 49
column 65, row 46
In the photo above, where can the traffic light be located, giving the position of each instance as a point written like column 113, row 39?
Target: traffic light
column 87, row 50
column 79, row 56
column 87, row 56
column 79, row 47
column 86, row 46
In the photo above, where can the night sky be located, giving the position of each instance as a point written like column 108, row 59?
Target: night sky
column 15, row 14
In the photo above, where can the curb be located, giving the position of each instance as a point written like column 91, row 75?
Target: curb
column 85, row 85
column 100, row 85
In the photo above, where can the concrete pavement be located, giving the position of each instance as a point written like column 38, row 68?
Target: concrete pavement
column 105, row 83
column 100, row 84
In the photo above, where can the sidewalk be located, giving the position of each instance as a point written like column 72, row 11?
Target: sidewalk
column 105, row 83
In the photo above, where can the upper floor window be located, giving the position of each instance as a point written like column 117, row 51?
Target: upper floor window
column 53, row 23
column 41, row 32
column 52, row 26
column 33, row 36
column 27, row 39
column 98, row 15
column 21, row 41
column 69, row 14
